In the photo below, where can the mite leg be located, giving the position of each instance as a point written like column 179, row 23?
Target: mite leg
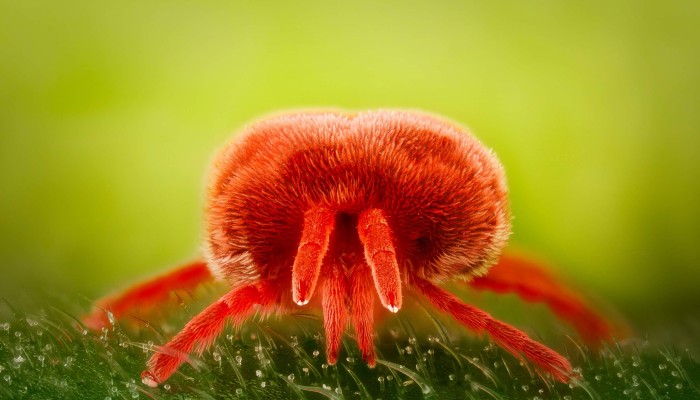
column 362, row 309
column 512, row 339
column 334, row 294
column 318, row 225
column 377, row 239
column 148, row 295
column 202, row 330
column 532, row 282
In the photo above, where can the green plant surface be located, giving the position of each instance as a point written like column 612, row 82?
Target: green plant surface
column 48, row 354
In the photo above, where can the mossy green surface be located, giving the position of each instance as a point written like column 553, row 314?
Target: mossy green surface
column 47, row 354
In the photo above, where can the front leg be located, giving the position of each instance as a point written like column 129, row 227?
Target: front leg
column 508, row 337
column 238, row 304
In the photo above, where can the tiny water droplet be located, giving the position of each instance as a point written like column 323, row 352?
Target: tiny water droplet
column 451, row 377
column 258, row 373
column 290, row 377
column 662, row 366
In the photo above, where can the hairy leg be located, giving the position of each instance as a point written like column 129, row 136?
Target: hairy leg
column 377, row 239
column 512, row 339
column 334, row 310
column 148, row 295
column 533, row 282
column 202, row 330
column 315, row 237
column 362, row 309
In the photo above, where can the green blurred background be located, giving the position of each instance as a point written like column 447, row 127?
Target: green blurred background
column 111, row 111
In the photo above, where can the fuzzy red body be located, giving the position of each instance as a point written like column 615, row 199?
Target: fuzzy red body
column 354, row 208
column 442, row 193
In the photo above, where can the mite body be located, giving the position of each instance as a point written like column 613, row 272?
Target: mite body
column 353, row 208
column 432, row 196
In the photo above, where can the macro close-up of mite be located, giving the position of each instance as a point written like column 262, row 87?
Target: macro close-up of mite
column 340, row 210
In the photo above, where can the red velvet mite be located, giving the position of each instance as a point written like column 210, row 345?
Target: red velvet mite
column 350, row 208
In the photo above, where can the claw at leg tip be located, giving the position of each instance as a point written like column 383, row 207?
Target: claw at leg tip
column 391, row 306
column 302, row 302
column 148, row 379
